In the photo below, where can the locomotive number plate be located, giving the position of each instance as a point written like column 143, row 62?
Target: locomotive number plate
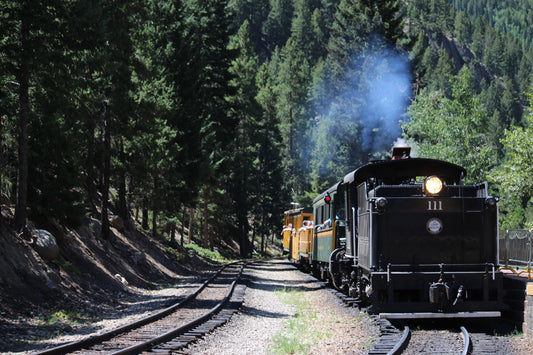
column 434, row 205
column 434, row 225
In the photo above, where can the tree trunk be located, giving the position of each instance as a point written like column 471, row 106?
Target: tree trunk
column 154, row 209
column 90, row 163
column 1, row 153
column 244, row 243
column 191, row 218
column 172, row 233
column 122, row 200
column 253, row 239
column 206, row 219
column 23, row 77
column 106, row 174
column 144, row 223
column 262, row 243
column 154, row 223
column 183, row 226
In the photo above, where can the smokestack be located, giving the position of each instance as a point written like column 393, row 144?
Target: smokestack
column 400, row 153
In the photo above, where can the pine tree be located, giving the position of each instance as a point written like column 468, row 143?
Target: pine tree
column 271, row 198
column 255, row 12
column 277, row 26
column 463, row 28
column 202, row 81
column 117, row 103
column 292, row 86
column 39, row 55
column 513, row 176
column 302, row 31
column 157, row 171
column 242, row 181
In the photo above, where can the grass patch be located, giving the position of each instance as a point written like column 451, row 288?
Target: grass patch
column 66, row 317
column 180, row 257
column 514, row 334
column 207, row 253
column 66, row 265
column 298, row 334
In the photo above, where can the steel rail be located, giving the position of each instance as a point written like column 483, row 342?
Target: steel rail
column 468, row 343
column 402, row 343
column 135, row 349
column 77, row 345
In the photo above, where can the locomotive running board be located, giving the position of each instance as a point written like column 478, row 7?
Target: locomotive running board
column 486, row 314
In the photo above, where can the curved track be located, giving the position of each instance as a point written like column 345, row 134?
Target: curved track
column 173, row 327
column 424, row 342
column 394, row 341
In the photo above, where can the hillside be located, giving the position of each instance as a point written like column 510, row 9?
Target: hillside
column 89, row 277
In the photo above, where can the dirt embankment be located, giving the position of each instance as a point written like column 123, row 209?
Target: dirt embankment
column 90, row 275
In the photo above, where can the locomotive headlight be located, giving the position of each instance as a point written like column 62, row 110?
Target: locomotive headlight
column 433, row 185
column 490, row 202
column 381, row 203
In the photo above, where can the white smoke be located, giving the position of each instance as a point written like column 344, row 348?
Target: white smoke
column 386, row 92
column 400, row 142
column 365, row 116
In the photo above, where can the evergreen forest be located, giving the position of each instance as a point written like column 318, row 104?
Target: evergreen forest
column 217, row 115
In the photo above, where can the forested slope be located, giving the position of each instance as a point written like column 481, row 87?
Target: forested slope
column 214, row 115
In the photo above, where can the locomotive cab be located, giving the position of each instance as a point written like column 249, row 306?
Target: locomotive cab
column 422, row 242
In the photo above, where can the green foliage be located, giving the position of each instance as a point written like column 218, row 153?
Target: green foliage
column 270, row 198
column 513, row 16
column 292, row 82
column 238, row 107
column 67, row 317
column 180, row 256
column 514, row 175
column 207, row 253
column 452, row 129
column 277, row 26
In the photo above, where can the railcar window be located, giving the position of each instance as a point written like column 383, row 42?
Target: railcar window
column 319, row 214
column 327, row 216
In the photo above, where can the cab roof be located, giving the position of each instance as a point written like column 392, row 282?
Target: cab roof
column 332, row 190
column 394, row 171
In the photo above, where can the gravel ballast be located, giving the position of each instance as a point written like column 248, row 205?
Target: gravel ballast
column 284, row 311
column 284, row 306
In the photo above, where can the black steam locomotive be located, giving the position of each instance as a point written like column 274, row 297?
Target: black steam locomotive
column 408, row 237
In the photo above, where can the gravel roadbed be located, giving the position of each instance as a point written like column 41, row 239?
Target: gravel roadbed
column 278, row 302
column 277, row 299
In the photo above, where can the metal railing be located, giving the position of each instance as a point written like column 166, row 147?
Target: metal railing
column 516, row 251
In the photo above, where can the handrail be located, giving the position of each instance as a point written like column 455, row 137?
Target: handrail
column 516, row 250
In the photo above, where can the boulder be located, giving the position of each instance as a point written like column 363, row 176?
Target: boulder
column 117, row 222
column 46, row 245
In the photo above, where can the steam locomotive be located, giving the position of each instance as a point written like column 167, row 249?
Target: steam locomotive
column 405, row 237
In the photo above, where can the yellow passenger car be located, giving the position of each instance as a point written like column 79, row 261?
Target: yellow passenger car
column 298, row 234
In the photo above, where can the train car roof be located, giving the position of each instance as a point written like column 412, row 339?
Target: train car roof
column 330, row 190
column 396, row 170
column 297, row 211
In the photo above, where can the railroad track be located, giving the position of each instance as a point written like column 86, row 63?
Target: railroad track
column 393, row 341
column 174, row 327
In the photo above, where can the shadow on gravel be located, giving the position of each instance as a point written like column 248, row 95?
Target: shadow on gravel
column 272, row 269
column 276, row 285
column 254, row 312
